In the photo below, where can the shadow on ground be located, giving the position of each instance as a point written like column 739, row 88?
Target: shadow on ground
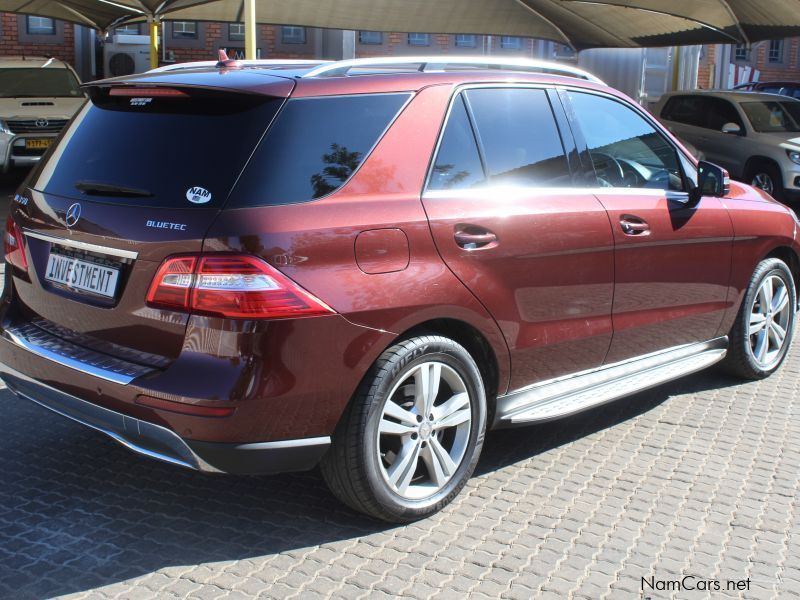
column 78, row 511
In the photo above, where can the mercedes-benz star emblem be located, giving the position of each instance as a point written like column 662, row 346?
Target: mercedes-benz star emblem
column 42, row 122
column 73, row 214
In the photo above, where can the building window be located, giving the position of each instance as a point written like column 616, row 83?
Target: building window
column 40, row 26
column 370, row 37
column 508, row 42
column 235, row 31
column 775, row 52
column 293, row 35
column 130, row 29
column 184, row 29
column 466, row 41
column 741, row 53
column 419, row 39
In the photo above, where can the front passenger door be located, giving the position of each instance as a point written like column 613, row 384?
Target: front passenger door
column 672, row 261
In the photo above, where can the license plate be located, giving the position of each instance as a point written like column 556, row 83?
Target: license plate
column 38, row 143
column 82, row 275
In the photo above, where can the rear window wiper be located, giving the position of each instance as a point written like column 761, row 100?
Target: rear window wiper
column 94, row 188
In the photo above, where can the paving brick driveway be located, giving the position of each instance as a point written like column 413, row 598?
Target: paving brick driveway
column 697, row 477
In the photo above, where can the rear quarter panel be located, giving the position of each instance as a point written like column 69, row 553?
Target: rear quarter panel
column 314, row 244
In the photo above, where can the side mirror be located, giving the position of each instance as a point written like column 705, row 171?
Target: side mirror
column 731, row 128
column 712, row 180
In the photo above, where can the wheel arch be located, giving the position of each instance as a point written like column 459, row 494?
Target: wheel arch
column 759, row 159
column 473, row 342
column 790, row 257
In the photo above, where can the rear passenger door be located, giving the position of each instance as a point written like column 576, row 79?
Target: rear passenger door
column 672, row 260
column 508, row 222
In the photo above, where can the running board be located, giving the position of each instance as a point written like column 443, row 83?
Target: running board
column 568, row 395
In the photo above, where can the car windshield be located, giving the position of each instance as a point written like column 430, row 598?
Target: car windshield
column 773, row 116
column 37, row 82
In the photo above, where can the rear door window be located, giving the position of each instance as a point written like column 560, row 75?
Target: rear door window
column 314, row 146
column 458, row 163
column 721, row 112
column 153, row 151
column 690, row 110
column 517, row 133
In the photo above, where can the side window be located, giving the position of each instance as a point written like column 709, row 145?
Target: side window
column 519, row 137
column 626, row 150
column 720, row 112
column 457, row 164
column 313, row 147
column 689, row 110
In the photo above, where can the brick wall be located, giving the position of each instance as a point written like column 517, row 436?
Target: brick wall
column 62, row 45
column 787, row 69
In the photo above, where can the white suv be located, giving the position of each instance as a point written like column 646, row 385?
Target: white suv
column 37, row 97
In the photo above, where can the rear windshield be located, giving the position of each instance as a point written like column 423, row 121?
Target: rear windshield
column 314, row 146
column 175, row 152
column 773, row 116
column 38, row 83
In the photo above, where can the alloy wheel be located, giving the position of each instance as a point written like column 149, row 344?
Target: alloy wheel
column 769, row 321
column 764, row 182
column 424, row 430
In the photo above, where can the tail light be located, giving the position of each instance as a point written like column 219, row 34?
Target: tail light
column 232, row 286
column 14, row 246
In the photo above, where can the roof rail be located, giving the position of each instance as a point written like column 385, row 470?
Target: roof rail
column 439, row 63
column 275, row 62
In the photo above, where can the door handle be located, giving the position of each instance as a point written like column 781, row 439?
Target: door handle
column 471, row 237
column 633, row 225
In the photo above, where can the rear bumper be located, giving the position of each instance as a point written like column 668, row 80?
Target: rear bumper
column 160, row 443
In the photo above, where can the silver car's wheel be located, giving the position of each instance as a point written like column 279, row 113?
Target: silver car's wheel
column 424, row 430
column 770, row 315
column 763, row 181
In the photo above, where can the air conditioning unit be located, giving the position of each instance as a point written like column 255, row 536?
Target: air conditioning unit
column 126, row 54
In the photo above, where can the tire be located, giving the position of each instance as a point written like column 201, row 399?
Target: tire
column 383, row 425
column 768, row 178
column 751, row 336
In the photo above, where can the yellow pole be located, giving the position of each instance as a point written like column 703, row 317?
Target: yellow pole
column 250, row 29
column 152, row 25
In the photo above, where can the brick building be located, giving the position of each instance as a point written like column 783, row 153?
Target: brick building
column 774, row 60
column 194, row 40
column 36, row 36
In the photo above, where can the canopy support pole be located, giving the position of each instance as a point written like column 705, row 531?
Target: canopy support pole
column 152, row 26
column 250, row 29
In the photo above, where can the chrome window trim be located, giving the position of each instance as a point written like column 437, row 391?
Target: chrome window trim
column 78, row 245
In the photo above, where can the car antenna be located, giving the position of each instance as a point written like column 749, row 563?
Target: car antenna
column 223, row 62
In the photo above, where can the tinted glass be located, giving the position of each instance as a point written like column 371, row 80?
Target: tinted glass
column 721, row 112
column 685, row 109
column 161, row 148
column 458, row 164
column 31, row 83
column 314, row 146
column 626, row 150
column 519, row 137
column 780, row 116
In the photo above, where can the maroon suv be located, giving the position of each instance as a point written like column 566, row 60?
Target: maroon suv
column 253, row 269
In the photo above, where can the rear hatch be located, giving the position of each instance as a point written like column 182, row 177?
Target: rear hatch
column 139, row 174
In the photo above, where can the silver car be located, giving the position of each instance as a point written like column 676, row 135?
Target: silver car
column 756, row 137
